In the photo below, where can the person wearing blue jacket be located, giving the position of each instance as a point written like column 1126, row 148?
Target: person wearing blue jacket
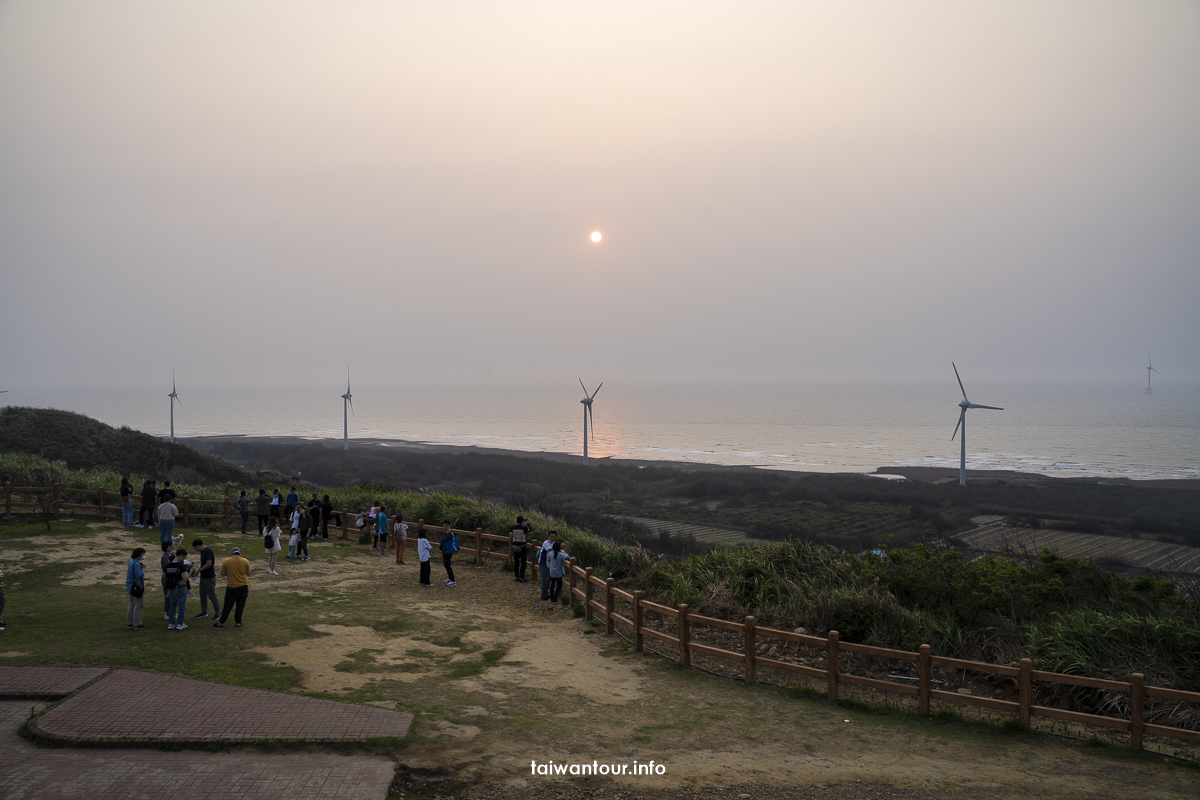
column 135, row 576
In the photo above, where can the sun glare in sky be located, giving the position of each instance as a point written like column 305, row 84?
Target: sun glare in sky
column 596, row 237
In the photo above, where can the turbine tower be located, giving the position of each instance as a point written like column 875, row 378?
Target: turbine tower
column 962, row 422
column 1149, row 368
column 174, row 399
column 587, row 416
column 347, row 406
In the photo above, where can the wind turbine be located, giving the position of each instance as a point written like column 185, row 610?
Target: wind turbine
column 347, row 403
column 962, row 422
column 1149, row 368
column 587, row 415
column 174, row 399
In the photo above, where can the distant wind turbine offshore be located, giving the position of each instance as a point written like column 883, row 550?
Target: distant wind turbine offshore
column 347, row 407
column 1149, row 368
column 587, row 416
column 962, row 423
column 174, row 399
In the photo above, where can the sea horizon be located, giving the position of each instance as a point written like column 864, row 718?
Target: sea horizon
column 1064, row 428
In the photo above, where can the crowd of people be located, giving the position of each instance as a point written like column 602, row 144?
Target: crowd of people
column 305, row 521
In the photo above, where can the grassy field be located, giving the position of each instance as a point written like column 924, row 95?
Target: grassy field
column 496, row 678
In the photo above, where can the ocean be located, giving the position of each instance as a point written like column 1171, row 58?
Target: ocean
column 1068, row 429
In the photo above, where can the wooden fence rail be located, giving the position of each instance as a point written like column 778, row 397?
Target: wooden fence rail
column 634, row 622
column 583, row 586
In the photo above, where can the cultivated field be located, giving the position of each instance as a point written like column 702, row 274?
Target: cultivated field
column 994, row 536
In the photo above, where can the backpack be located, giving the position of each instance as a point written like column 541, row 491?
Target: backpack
column 268, row 541
column 172, row 579
column 452, row 546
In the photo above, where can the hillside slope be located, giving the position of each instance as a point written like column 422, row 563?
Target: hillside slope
column 84, row 443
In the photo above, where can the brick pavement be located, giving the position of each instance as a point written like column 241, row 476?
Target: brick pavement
column 127, row 707
column 44, row 682
column 28, row 772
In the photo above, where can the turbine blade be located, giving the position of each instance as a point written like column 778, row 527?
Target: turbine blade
column 960, row 386
column 351, row 402
column 961, row 414
column 581, row 386
column 993, row 408
column 597, row 389
column 592, row 420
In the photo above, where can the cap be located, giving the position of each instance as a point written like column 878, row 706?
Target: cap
column 237, row 551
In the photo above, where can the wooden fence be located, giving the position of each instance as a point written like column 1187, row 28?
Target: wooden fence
column 600, row 596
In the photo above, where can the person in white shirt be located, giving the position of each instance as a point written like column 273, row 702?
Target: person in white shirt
column 166, row 521
column 424, row 548
column 547, row 546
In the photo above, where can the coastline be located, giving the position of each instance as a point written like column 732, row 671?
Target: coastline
column 916, row 474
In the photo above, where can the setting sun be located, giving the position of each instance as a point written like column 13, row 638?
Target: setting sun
column 596, row 237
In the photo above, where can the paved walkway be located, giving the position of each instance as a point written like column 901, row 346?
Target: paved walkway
column 46, row 683
column 28, row 772
column 133, row 708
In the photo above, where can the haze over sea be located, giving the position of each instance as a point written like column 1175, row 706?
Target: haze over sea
column 1064, row 429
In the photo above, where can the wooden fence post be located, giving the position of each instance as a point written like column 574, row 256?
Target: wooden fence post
column 751, row 653
column 833, row 666
column 54, row 498
column 924, row 670
column 1137, row 700
column 587, row 594
column 345, row 523
column 7, row 499
column 571, row 580
column 1025, row 693
column 509, row 561
column 685, row 635
column 225, row 514
column 479, row 546
column 101, row 503
column 637, row 621
column 187, row 509
column 610, row 601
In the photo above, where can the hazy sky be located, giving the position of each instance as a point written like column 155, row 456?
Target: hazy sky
column 258, row 191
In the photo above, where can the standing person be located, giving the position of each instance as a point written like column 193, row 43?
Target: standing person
column 315, row 513
column 208, row 579
column 423, row 551
column 135, row 587
column 274, row 511
column 271, row 543
column 383, row 526
column 304, row 528
column 262, row 507
column 293, row 500
column 449, row 545
column 551, row 538
column 293, row 542
column 166, row 520
column 126, row 501
column 326, row 515
column 519, row 552
column 175, row 581
column 371, row 527
column 166, row 493
column 400, row 538
column 556, row 565
column 237, row 586
column 294, row 519
column 149, row 498
column 243, row 507
column 168, row 550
